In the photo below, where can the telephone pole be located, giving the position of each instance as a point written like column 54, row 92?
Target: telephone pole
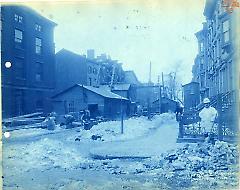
column 150, row 73
column 160, row 95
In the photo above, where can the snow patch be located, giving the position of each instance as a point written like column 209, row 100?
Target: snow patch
column 133, row 128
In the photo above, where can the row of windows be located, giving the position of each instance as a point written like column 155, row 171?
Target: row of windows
column 20, row 70
column 92, row 70
column 19, row 19
column 225, row 32
column 18, row 38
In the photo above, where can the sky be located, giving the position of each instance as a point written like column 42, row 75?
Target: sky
column 134, row 32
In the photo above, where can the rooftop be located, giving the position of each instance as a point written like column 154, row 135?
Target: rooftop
column 102, row 92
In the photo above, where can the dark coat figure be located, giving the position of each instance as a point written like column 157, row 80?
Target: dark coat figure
column 86, row 120
column 179, row 111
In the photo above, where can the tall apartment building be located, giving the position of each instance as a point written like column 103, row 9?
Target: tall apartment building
column 215, row 67
column 27, row 43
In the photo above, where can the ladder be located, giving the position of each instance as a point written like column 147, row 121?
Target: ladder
column 113, row 74
column 98, row 75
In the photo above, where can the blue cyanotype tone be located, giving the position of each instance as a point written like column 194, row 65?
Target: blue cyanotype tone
column 111, row 95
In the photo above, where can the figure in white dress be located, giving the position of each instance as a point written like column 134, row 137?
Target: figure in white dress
column 208, row 115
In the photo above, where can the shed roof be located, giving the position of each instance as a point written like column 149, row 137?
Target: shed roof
column 103, row 92
column 99, row 91
column 117, row 87
column 121, row 86
column 166, row 99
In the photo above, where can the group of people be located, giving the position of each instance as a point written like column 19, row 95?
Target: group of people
column 208, row 117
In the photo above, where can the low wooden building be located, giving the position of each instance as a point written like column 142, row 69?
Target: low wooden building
column 166, row 105
column 98, row 101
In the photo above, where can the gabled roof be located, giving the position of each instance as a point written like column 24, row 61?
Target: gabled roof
column 116, row 87
column 104, row 93
column 121, row 87
column 191, row 83
column 30, row 10
column 99, row 91
column 65, row 51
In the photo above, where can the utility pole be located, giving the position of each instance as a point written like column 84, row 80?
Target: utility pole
column 121, row 116
column 163, row 84
column 149, row 91
column 150, row 73
column 160, row 95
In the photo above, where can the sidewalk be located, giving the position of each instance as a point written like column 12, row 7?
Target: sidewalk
column 158, row 141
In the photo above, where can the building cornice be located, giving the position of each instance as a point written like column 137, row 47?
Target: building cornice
column 210, row 6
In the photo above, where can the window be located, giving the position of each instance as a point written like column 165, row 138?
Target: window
column 39, row 72
column 226, row 33
column 201, row 47
column 18, row 18
column 90, row 81
column 38, row 46
column 19, row 68
column 18, row 38
column 38, row 27
column 202, row 81
column 89, row 69
column 71, row 106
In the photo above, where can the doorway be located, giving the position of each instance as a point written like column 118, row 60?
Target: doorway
column 93, row 108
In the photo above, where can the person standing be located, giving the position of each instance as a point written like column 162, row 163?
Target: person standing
column 208, row 116
column 86, row 120
column 179, row 111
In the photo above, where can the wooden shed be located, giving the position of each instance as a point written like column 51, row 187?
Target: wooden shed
column 98, row 101
column 166, row 105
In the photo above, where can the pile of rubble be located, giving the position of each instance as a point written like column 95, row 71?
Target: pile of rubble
column 202, row 156
column 204, row 164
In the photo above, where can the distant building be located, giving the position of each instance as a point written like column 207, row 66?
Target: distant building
column 191, row 93
column 90, row 54
column 98, row 101
column 72, row 68
column 127, row 91
column 131, row 78
column 27, row 42
column 146, row 95
column 167, row 105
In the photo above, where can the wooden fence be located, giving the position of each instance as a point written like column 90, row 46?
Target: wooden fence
column 225, row 127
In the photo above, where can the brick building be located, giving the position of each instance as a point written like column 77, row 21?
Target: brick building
column 72, row 68
column 27, row 43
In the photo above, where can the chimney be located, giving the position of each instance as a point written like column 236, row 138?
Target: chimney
column 90, row 54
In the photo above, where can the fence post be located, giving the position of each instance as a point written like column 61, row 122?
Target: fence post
column 220, row 122
column 180, row 133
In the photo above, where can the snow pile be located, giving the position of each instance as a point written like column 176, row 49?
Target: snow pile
column 30, row 132
column 132, row 127
column 44, row 153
